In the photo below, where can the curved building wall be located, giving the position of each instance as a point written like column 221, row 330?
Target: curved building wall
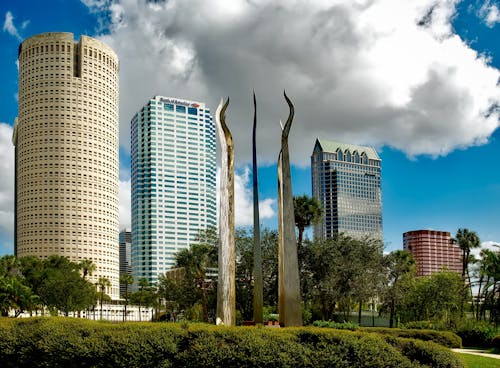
column 66, row 139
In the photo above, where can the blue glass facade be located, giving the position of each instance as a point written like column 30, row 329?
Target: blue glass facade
column 173, row 170
column 346, row 180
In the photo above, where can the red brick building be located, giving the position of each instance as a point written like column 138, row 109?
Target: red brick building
column 433, row 251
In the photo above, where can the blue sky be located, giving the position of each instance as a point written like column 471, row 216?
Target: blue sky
column 417, row 80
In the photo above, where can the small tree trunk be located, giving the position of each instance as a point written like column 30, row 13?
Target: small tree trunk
column 373, row 314
column 359, row 312
column 478, row 298
column 301, row 235
column 204, row 306
column 391, row 314
column 470, row 291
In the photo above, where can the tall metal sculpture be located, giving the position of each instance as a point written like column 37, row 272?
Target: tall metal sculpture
column 290, row 308
column 226, row 290
column 258, row 293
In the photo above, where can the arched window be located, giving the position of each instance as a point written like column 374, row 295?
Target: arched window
column 364, row 159
column 340, row 156
column 347, row 156
column 356, row 157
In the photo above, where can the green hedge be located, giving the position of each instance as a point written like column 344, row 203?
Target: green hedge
column 476, row 334
column 445, row 338
column 495, row 343
column 337, row 325
column 75, row 343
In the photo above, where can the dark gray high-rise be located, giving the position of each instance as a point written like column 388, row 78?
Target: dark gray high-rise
column 346, row 180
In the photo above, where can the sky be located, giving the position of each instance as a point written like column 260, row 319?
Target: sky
column 419, row 80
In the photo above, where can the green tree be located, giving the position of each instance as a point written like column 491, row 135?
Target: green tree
column 269, row 244
column 32, row 268
column 437, row 298
column 244, row 274
column 14, row 295
column 340, row 271
column 103, row 285
column 467, row 240
column 62, row 287
column 400, row 266
column 88, row 267
column 307, row 211
column 143, row 285
column 244, row 267
column 489, row 276
column 170, row 290
column 127, row 280
column 9, row 265
column 196, row 261
column 368, row 284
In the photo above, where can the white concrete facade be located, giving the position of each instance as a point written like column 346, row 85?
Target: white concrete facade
column 66, row 139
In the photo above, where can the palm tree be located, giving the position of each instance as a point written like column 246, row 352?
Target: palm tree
column 143, row 284
column 307, row 211
column 489, row 272
column 126, row 279
column 103, row 284
column 196, row 260
column 467, row 240
column 399, row 263
column 88, row 267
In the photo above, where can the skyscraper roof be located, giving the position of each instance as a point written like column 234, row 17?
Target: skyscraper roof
column 332, row 146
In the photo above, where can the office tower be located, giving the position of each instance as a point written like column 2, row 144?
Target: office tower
column 346, row 181
column 125, row 243
column 433, row 251
column 173, row 181
column 66, row 149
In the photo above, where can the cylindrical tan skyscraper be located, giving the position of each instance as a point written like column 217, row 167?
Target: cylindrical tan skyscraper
column 66, row 139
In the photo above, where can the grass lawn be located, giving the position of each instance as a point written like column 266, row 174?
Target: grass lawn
column 475, row 361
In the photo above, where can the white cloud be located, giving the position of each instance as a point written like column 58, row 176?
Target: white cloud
column 490, row 13
column 96, row 5
column 243, row 200
column 381, row 72
column 491, row 245
column 9, row 27
column 6, row 186
column 124, row 198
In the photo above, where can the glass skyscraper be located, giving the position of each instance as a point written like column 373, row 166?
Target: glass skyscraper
column 347, row 183
column 173, row 181
column 125, row 245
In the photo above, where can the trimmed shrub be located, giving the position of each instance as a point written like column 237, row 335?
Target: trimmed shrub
column 444, row 338
column 429, row 354
column 476, row 334
column 422, row 325
column 495, row 343
column 339, row 326
column 74, row 343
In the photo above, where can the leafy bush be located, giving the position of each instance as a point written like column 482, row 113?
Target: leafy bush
column 495, row 343
column 339, row 326
column 476, row 334
column 422, row 325
column 429, row 354
column 74, row 343
column 445, row 338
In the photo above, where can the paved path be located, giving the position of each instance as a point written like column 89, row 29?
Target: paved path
column 477, row 352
